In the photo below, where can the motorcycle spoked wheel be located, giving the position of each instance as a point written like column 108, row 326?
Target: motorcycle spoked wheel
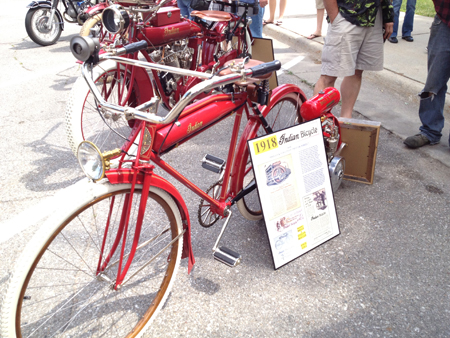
column 36, row 26
column 86, row 121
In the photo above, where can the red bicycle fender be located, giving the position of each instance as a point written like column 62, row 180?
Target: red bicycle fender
column 126, row 176
column 250, row 132
column 97, row 8
column 279, row 92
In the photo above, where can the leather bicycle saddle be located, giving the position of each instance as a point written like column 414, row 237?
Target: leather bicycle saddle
column 212, row 15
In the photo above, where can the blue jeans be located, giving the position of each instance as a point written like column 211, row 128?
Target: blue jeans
column 408, row 21
column 185, row 9
column 431, row 109
column 256, row 27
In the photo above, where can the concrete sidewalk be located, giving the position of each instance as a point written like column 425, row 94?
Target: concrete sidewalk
column 403, row 77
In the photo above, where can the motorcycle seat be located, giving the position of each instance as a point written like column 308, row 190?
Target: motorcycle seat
column 212, row 15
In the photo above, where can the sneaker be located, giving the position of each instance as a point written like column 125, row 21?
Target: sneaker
column 416, row 141
column 393, row 39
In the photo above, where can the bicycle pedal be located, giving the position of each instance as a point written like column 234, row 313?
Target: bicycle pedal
column 227, row 256
column 213, row 163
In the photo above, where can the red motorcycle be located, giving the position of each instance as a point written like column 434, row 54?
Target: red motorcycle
column 203, row 45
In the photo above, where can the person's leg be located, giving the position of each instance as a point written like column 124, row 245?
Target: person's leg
column 432, row 98
column 324, row 81
column 272, row 8
column 350, row 87
column 320, row 14
column 257, row 23
column 282, row 9
column 183, row 5
column 408, row 21
column 397, row 4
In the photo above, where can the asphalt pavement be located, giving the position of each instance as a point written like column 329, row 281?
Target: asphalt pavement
column 385, row 275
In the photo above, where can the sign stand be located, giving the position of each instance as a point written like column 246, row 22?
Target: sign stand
column 291, row 172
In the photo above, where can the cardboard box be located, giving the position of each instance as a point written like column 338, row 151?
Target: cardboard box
column 360, row 152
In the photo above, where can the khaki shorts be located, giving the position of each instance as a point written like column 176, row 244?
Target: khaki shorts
column 349, row 47
column 319, row 4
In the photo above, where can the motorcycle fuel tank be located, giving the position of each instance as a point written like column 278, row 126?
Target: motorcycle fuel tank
column 165, row 34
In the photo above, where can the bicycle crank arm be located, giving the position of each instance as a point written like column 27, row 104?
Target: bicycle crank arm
column 223, row 254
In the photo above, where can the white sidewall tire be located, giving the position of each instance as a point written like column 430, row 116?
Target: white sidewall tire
column 75, row 104
column 79, row 197
column 244, row 212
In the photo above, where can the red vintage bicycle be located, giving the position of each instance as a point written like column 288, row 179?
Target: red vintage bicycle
column 203, row 45
column 104, row 264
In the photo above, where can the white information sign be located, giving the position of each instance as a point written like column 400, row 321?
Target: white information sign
column 291, row 172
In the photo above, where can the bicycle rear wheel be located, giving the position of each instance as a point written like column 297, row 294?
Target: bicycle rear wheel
column 282, row 113
column 55, row 290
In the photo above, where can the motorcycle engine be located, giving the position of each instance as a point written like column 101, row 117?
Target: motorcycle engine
column 176, row 54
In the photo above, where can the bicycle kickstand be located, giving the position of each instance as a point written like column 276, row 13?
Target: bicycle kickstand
column 223, row 254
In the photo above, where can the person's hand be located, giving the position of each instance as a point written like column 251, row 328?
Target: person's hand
column 388, row 29
column 263, row 3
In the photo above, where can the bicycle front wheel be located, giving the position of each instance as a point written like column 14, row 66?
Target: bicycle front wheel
column 56, row 290
column 282, row 113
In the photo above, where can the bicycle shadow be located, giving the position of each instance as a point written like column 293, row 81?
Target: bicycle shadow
column 55, row 170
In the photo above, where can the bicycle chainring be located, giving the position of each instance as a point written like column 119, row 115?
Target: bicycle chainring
column 206, row 217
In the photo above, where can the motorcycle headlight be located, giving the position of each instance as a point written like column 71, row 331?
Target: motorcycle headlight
column 91, row 160
column 115, row 19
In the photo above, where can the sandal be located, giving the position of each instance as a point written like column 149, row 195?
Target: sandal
column 267, row 22
column 313, row 36
column 279, row 22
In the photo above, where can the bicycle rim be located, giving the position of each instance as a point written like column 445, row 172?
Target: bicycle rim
column 284, row 113
column 63, row 296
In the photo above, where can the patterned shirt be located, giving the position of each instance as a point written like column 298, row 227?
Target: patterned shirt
column 442, row 8
column 364, row 12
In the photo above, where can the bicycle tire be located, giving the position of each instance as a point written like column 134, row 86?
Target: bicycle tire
column 35, row 21
column 63, row 252
column 282, row 113
column 85, row 122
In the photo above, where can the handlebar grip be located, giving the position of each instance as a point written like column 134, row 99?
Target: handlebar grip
column 265, row 68
column 136, row 46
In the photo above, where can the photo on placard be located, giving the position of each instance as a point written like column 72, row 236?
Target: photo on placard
column 280, row 186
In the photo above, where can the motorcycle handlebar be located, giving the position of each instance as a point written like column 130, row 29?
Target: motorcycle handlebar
column 266, row 68
column 133, row 47
column 210, row 83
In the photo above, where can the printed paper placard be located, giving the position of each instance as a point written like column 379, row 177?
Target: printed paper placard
column 291, row 171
